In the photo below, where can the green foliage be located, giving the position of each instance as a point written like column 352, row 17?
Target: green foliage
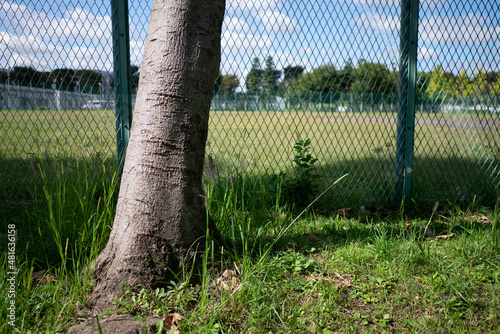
column 463, row 86
column 144, row 301
column 229, row 83
column 495, row 88
column 347, row 75
column 325, row 275
column 322, row 79
column 439, row 86
column 480, row 83
column 295, row 262
column 374, row 78
column 88, row 81
column 270, row 77
column 290, row 72
column 254, row 77
column 301, row 188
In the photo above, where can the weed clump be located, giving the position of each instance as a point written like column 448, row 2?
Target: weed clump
column 300, row 189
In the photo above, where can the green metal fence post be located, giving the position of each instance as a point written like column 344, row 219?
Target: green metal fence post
column 122, row 76
column 406, row 100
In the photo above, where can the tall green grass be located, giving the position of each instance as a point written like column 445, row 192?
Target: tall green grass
column 318, row 274
column 61, row 225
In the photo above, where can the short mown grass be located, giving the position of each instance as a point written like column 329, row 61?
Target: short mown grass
column 456, row 155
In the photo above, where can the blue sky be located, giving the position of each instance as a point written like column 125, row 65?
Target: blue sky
column 63, row 33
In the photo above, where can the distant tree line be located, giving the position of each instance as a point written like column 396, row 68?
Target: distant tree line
column 85, row 81
column 365, row 78
column 441, row 86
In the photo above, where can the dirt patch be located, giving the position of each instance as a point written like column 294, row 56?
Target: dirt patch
column 487, row 125
column 116, row 324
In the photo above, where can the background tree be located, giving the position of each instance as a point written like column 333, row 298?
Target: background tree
column 374, row 78
column 229, row 83
column 89, row 81
column 4, row 76
column 325, row 79
column 291, row 72
column 254, row 78
column 423, row 79
column 25, row 76
column 462, row 86
column 495, row 88
column 270, row 77
column 64, row 78
column 135, row 72
column 161, row 219
column 480, row 83
column 439, row 84
column 347, row 76
column 322, row 79
column 492, row 77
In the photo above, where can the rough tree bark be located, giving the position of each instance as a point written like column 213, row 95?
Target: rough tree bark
column 161, row 216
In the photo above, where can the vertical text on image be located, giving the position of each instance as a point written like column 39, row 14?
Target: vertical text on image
column 11, row 273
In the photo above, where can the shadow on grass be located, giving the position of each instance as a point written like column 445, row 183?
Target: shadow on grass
column 244, row 205
column 58, row 204
column 381, row 235
column 372, row 181
column 61, row 205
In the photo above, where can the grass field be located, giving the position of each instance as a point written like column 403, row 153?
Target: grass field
column 373, row 269
column 456, row 156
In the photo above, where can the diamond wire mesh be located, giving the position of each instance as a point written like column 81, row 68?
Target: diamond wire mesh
column 337, row 83
column 323, row 70
column 457, row 123
column 56, row 90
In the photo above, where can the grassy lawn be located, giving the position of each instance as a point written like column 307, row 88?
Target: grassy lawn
column 337, row 268
column 456, row 156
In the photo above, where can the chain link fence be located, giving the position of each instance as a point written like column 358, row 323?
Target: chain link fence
column 403, row 114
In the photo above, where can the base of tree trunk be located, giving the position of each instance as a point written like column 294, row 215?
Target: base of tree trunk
column 112, row 272
column 159, row 230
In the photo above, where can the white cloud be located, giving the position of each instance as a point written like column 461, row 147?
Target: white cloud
column 277, row 22
column 379, row 22
column 461, row 30
column 234, row 24
column 74, row 24
column 378, row 2
column 23, row 50
column 78, row 39
column 84, row 57
column 136, row 52
column 472, row 65
column 244, row 42
column 250, row 5
column 425, row 53
column 397, row 3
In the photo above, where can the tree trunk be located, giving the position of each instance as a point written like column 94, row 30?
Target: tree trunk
column 161, row 216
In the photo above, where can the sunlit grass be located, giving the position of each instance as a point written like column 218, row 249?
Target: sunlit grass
column 448, row 147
